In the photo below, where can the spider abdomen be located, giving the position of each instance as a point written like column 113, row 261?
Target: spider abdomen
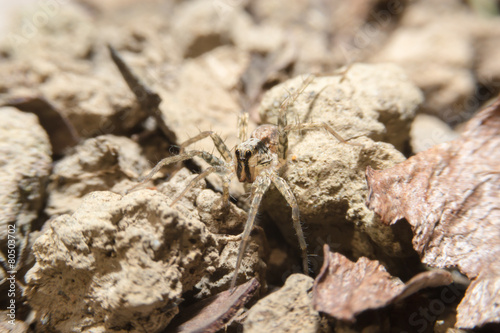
column 268, row 135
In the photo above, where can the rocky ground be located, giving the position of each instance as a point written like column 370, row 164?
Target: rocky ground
column 393, row 78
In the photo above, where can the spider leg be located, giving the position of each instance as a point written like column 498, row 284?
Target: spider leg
column 306, row 126
column 203, row 175
column 242, row 126
column 259, row 187
column 226, row 181
column 218, row 142
column 282, row 121
column 211, row 159
column 285, row 190
column 282, row 133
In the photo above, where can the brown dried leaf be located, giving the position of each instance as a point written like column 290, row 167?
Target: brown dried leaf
column 344, row 289
column 450, row 196
column 434, row 278
column 212, row 314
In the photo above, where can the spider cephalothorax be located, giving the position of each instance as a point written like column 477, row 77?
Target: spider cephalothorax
column 256, row 153
column 257, row 160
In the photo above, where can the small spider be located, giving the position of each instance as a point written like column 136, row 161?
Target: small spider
column 258, row 160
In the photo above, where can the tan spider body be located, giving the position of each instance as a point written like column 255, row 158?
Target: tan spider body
column 257, row 160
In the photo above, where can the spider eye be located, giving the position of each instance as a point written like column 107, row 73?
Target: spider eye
column 248, row 153
column 237, row 153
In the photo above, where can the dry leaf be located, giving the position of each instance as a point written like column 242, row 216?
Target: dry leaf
column 343, row 289
column 212, row 314
column 450, row 196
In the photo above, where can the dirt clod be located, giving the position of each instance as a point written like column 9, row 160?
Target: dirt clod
column 25, row 167
column 287, row 310
column 118, row 262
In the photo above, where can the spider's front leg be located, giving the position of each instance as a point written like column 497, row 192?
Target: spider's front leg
column 217, row 165
column 259, row 187
column 225, row 153
column 286, row 192
column 218, row 143
column 216, row 162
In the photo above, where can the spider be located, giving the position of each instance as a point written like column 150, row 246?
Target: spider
column 257, row 160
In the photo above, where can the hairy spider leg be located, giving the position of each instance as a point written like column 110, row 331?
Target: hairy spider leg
column 204, row 174
column 211, row 159
column 226, row 181
column 282, row 121
column 218, row 142
column 225, row 153
column 242, row 126
column 217, row 164
column 286, row 192
column 259, row 187
column 306, row 126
